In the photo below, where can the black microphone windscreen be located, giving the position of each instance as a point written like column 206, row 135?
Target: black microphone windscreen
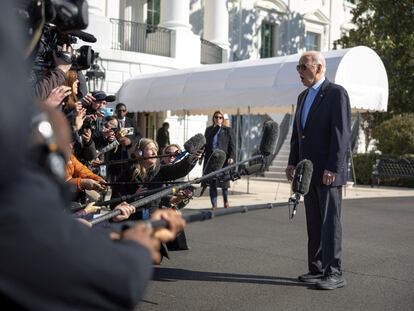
column 195, row 143
column 87, row 37
column 215, row 162
column 254, row 169
column 269, row 138
column 302, row 177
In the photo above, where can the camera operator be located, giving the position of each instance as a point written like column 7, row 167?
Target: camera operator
column 54, row 79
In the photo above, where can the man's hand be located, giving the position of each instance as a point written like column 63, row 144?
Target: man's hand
column 91, row 208
column 80, row 116
column 86, row 135
column 175, row 224
column 290, row 169
column 126, row 211
column 125, row 141
column 90, row 184
column 87, row 100
column 96, row 162
column 328, row 177
column 56, row 96
column 143, row 235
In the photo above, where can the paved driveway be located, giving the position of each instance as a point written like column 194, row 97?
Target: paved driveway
column 251, row 261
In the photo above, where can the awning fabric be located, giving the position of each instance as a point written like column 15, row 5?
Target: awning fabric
column 268, row 85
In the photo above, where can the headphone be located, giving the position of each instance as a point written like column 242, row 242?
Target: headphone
column 46, row 153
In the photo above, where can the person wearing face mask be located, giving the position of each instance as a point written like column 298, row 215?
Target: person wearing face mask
column 219, row 136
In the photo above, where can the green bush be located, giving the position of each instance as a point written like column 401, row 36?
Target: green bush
column 396, row 136
column 363, row 163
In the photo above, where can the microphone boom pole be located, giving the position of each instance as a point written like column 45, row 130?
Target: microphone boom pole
column 171, row 190
column 203, row 215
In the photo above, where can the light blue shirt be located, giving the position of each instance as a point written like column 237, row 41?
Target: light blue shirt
column 313, row 90
column 215, row 139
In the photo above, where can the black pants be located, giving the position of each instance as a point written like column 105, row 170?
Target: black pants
column 323, row 219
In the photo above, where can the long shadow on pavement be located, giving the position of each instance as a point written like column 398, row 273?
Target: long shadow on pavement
column 174, row 274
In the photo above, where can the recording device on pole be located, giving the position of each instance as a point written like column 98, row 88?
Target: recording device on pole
column 191, row 146
column 300, row 184
column 267, row 148
column 269, row 141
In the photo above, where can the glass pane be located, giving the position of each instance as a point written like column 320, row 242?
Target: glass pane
column 267, row 35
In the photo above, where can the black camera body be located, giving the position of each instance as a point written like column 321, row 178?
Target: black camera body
column 51, row 42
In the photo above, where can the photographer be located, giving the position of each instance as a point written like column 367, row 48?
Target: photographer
column 53, row 79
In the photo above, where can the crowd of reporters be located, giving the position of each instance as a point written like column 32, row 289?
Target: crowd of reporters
column 53, row 148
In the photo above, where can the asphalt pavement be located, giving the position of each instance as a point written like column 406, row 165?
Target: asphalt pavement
column 251, row 261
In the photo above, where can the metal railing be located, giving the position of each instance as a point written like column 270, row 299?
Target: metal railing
column 210, row 53
column 139, row 37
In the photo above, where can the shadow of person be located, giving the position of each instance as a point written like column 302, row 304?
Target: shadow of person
column 162, row 274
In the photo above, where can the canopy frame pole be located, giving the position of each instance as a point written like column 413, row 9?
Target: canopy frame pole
column 248, row 145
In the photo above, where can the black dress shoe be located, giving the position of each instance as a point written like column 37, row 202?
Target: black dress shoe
column 310, row 277
column 331, row 282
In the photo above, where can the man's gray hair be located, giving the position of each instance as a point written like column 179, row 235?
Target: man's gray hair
column 317, row 58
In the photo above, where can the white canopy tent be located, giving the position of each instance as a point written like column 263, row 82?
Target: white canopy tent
column 263, row 86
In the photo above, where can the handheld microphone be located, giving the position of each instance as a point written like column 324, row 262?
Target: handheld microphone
column 300, row 183
column 269, row 141
column 191, row 146
column 214, row 163
column 87, row 37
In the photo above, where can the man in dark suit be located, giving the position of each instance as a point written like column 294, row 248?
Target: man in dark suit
column 321, row 133
column 163, row 136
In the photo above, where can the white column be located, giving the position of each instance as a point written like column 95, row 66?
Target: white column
column 185, row 45
column 216, row 22
column 99, row 24
column 175, row 14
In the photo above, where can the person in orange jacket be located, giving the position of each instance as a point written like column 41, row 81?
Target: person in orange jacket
column 82, row 177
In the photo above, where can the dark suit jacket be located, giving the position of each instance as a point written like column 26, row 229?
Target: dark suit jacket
column 326, row 136
column 226, row 143
column 52, row 262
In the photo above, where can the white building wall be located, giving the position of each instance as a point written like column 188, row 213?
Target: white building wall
column 292, row 19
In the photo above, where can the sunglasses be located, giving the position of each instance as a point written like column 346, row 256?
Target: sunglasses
column 171, row 153
column 218, row 117
column 303, row 67
column 121, row 110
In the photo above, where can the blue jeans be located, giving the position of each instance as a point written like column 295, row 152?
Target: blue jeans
column 213, row 193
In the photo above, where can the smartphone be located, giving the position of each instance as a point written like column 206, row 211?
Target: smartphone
column 107, row 112
column 128, row 131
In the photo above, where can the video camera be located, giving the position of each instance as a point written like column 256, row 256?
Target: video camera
column 51, row 42
column 60, row 22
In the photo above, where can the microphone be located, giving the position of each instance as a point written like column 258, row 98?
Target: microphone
column 192, row 145
column 300, row 183
column 214, row 163
column 269, row 138
column 84, row 36
column 195, row 143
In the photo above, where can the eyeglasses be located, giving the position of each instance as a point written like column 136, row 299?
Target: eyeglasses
column 121, row 110
column 218, row 117
column 303, row 67
column 171, row 153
